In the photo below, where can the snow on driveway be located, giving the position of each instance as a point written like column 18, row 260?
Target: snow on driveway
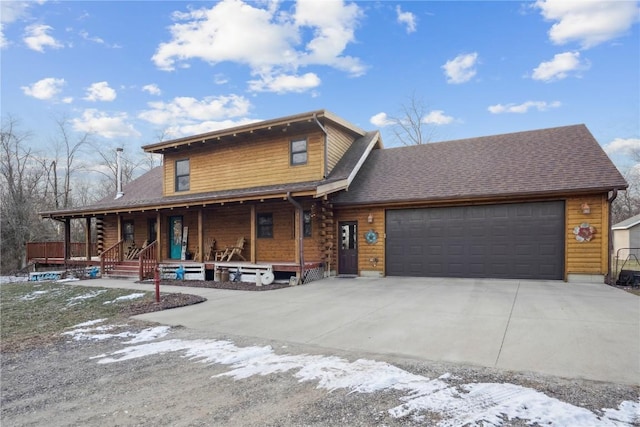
column 474, row 404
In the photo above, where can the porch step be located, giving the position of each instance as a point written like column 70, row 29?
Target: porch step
column 124, row 270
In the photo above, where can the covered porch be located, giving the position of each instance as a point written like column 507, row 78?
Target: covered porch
column 293, row 236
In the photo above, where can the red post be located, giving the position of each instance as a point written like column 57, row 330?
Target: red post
column 156, row 279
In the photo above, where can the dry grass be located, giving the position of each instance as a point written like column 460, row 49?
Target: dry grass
column 36, row 313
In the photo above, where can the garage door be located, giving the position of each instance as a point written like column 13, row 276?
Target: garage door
column 524, row 240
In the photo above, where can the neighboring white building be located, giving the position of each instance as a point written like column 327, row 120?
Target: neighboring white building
column 626, row 238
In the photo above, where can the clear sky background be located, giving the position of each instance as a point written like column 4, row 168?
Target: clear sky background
column 127, row 71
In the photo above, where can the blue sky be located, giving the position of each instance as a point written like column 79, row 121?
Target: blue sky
column 129, row 71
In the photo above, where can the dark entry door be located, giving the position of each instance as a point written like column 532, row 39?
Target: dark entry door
column 348, row 250
column 175, row 237
column 519, row 240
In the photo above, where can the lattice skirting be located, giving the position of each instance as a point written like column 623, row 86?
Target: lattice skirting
column 312, row 274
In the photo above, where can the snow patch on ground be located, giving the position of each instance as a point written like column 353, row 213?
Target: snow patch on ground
column 474, row 404
column 33, row 295
column 81, row 332
column 13, row 279
column 78, row 299
column 125, row 298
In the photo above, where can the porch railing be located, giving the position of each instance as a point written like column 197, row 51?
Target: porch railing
column 148, row 261
column 111, row 257
column 46, row 250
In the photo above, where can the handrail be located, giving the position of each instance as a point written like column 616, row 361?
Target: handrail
column 55, row 249
column 111, row 257
column 147, row 261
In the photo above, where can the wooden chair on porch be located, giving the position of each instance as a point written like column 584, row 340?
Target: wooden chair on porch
column 210, row 249
column 230, row 251
column 133, row 251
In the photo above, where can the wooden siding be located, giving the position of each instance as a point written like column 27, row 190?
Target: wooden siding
column 338, row 144
column 587, row 257
column 226, row 224
column 110, row 231
column 258, row 163
column 367, row 253
column 140, row 228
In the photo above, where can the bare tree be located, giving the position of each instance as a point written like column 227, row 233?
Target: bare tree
column 67, row 147
column 410, row 126
column 627, row 203
column 21, row 196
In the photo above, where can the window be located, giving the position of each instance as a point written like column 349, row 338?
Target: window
column 182, row 175
column 265, row 225
column 307, row 223
column 127, row 231
column 298, row 152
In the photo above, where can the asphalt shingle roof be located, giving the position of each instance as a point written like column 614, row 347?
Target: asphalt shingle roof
column 557, row 160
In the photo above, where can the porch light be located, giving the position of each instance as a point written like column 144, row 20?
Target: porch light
column 586, row 209
column 370, row 218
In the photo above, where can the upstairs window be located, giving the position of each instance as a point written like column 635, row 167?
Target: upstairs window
column 265, row 225
column 182, row 175
column 298, row 152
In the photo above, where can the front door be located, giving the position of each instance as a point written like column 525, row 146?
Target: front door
column 175, row 237
column 348, row 250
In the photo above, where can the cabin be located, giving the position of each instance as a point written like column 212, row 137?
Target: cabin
column 311, row 195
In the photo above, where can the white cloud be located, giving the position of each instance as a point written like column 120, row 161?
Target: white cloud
column 285, row 83
column 102, row 124
column 589, row 22
column 437, row 117
column 186, row 115
column 623, row 146
column 559, row 67
column 269, row 41
column 153, row 89
column 46, row 88
column 461, row 68
column 408, row 19
column 381, row 120
column 220, row 79
column 100, row 92
column 11, row 11
column 36, row 38
column 3, row 41
column 524, row 107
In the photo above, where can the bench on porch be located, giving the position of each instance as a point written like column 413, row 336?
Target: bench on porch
column 192, row 271
column 249, row 272
column 41, row 276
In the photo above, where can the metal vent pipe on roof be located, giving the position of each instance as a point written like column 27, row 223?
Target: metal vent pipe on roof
column 119, row 192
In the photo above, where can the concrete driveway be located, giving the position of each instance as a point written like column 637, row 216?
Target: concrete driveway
column 572, row 330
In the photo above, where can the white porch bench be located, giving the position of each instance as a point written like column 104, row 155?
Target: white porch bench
column 192, row 271
column 249, row 272
column 41, row 276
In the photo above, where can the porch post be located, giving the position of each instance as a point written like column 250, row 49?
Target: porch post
column 200, row 236
column 87, row 239
column 119, row 223
column 158, row 237
column 253, row 236
column 67, row 239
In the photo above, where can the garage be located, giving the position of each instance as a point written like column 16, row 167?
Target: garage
column 515, row 240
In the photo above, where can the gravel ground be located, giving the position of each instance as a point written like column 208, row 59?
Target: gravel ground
column 62, row 384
